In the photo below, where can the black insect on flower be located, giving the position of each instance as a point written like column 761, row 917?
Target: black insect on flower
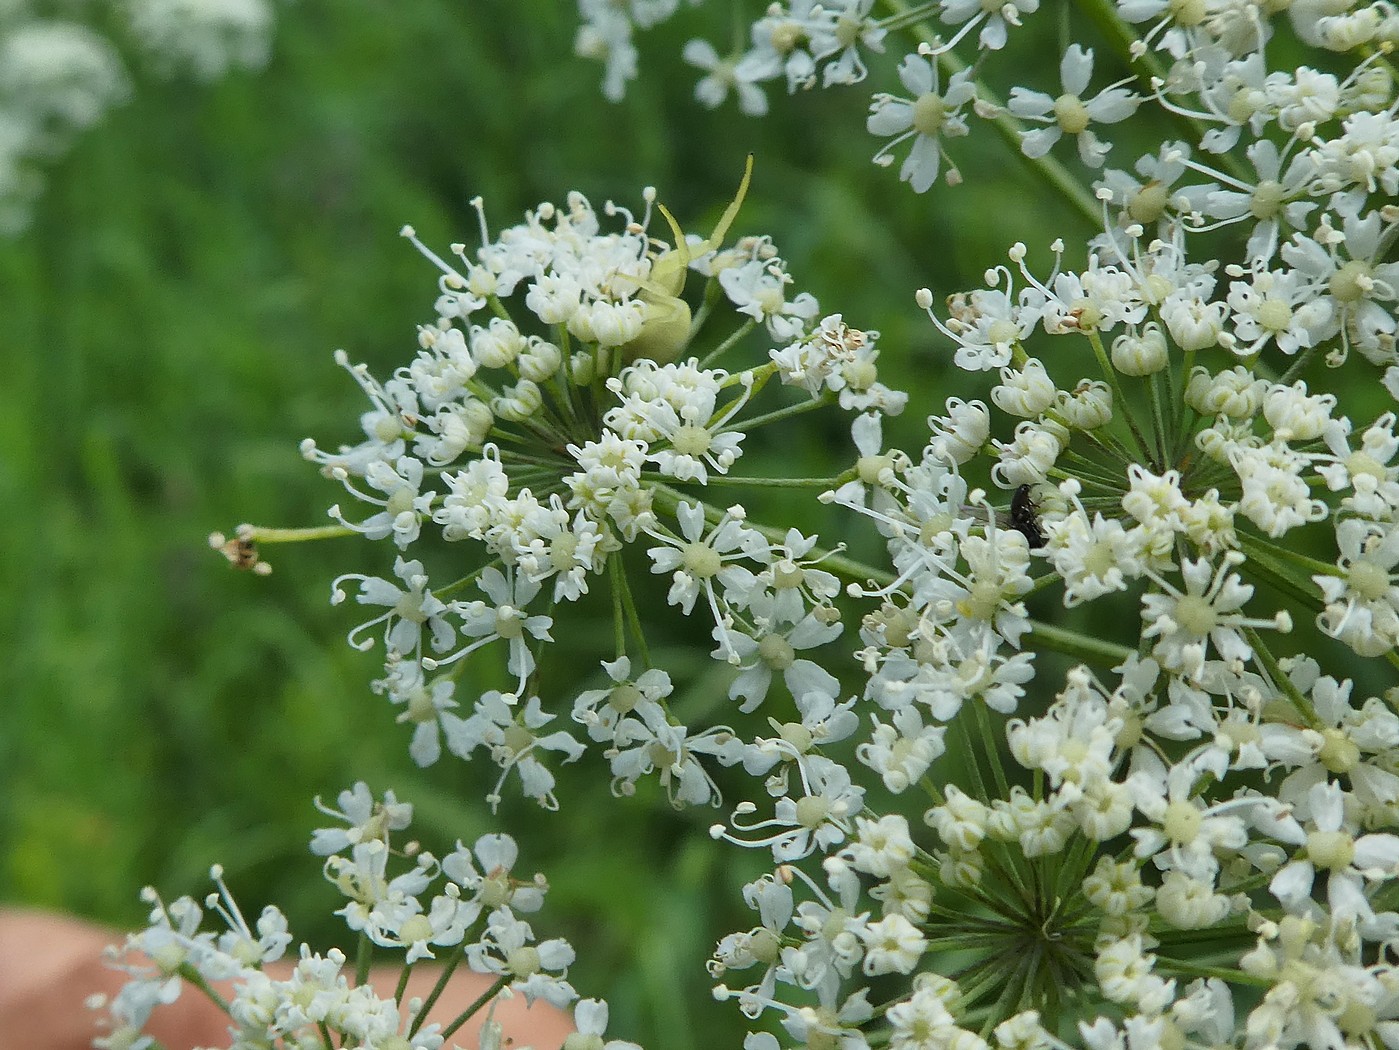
column 1024, row 517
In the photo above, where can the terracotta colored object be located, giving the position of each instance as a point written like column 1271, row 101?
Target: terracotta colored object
column 50, row 964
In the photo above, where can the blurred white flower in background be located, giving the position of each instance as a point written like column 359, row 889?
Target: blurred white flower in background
column 59, row 76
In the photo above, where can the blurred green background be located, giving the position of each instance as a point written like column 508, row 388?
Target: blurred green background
column 166, row 328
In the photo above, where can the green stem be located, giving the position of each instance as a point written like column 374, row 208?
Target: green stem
column 1280, row 678
column 1110, row 373
column 629, row 605
column 1158, row 418
column 402, row 985
column 259, row 534
column 1268, row 568
column 992, row 742
column 194, row 977
column 1291, row 555
column 1232, row 976
column 485, row 997
column 364, row 954
column 775, row 483
column 728, row 343
column 777, row 415
column 619, row 626
column 1085, row 647
column 458, row 584
column 453, row 961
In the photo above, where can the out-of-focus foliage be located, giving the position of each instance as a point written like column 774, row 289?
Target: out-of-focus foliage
column 166, row 328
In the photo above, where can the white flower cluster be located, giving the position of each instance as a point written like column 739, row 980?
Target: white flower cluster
column 474, row 916
column 59, row 76
column 1183, row 835
column 552, row 418
column 1193, row 844
column 1201, row 61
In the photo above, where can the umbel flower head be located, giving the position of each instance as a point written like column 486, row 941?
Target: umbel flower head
column 1104, row 752
column 465, row 907
column 568, row 402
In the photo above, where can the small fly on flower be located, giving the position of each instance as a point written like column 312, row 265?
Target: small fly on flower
column 1024, row 517
column 241, row 553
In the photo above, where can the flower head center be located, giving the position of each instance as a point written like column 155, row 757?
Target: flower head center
column 494, row 891
column 420, row 706
column 1182, row 822
column 1267, row 199
column 1368, row 580
column 787, row 575
column 1071, row 114
column 416, row 929
column 1187, row 13
column 1149, row 203
column 797, row 735
column 1339, row 753
column 562, row 550
column 624, row 698
column 690, row 440
column 785, row 36
column 764, row 946
column 509, row 624
column 870, row 467
column 700, row 560
column 982, row 601
column 523, row 961
column 517, row 739
column 929, row 112
column 1275, row 315
column 776, row 652
column 812, row 811
column 410, row 607
column 1350, row 283
column 1332, row 850
column 1195, row 615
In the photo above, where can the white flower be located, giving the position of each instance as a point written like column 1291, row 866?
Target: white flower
column 605, row 35
column 1095, row 557
column 840, row 28
column 509, row 733
column 773, row 649
column 60, row 76
column 892, row 945
column 503, row 617
column 506, row 950
column 207, row 36
column 590, row 1020
column 648, row 742
column 405, row 507
column 994, row 20
column 698, row 560
column 925, row 117
column 903, row 752
column 1208, row 610
column 367, row 819
column 600, row 710
column 758, row 288
column 1362, row 600
column 1069, row 114
column 725, row 74
column 495, row 882
column 407, row 609
column 1331, row 845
